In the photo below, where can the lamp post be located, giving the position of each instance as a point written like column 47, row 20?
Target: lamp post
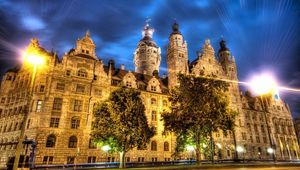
column 240, row 149
column 33, row 58
column 264, row 85
column 191, row 149
column 106, row 148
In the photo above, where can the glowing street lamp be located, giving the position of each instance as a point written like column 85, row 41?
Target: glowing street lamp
column 239, row 149
column 270, row 150
column 106, row 148
column 190, row 148
column 32, row 57
column 265, row 84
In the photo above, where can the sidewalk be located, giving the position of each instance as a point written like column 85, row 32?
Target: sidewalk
column 222, row 166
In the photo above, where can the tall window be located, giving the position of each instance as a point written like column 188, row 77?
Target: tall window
column 75, row 122
column 48, row 160
column 92, row 145
column 165, row 103
column 244, row 136
column 16, row 126
column 153, row 101
column 262, row 129
column 57, row 104
column 70, row 159
column 80, row 88
column 54, row 122
column 42, row 88
column 153, row 146
column 166, row 146
column 60, row 86
column 82, row 73
column 51, row 139
column 39, row 105
column 153, row 116
column 73, row 142
column 78, row 105
column 91, row 159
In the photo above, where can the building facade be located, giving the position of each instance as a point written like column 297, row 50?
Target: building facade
column 61, row 99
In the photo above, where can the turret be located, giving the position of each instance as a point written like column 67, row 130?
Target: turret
column 227, row 61
column 147, row 54
column 177, row 56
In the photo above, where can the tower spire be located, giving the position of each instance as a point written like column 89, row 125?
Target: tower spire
column 147, row 31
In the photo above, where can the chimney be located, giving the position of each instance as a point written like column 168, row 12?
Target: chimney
column 111, row 64
column 122, row 67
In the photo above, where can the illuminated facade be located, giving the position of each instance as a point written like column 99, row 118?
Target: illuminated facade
column 66, row 90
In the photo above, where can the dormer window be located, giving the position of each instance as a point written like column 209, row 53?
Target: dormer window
column 153, row 88
column 128, row 84
column 87, row 52
column 82, row 73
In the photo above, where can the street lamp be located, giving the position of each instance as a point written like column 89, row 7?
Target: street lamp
column 240, row 150
column 33, row 58
column 265, row 85
column 106, row 148
column 270, row 150
column 191, row 149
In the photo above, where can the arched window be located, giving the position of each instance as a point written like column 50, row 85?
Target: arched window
column 51, row 139
column 153, row 146
column 75, row 122
column 166, row 146
column 82, row 73
column 153, row 101
column 165, row 103
column 73, row 142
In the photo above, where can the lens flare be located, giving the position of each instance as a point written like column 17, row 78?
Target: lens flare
column 263, row 84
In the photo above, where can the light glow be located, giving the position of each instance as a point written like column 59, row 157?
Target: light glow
column 239, row 149
column 270, row 150
column 190, row 148
column 263, row 84
column 106, row 148
column 34, row 58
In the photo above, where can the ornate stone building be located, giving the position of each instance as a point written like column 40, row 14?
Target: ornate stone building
column 65, row 91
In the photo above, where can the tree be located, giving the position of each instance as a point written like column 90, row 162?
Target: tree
column 121, row 122
column 200, row 106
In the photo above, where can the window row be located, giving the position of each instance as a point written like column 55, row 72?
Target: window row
column 12, row 111
column 166, row 146
column 93, row 159
column 11, row 127
column 58, row 102
column 74, row 124
column 51, row 142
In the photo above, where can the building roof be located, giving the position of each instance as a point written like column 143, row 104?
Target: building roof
column 119, row 74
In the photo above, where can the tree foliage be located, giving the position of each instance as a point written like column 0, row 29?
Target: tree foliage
column 121, row 123
column 200, row 106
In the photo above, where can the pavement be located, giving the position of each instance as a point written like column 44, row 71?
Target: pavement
column 240, row 166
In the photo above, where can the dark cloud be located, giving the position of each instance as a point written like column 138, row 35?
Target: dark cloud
column 262, row 35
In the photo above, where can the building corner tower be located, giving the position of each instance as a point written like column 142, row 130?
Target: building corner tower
column 177, row 56
column 227, row 61
column 147, row 55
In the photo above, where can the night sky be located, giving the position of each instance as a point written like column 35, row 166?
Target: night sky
column 263, row 35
